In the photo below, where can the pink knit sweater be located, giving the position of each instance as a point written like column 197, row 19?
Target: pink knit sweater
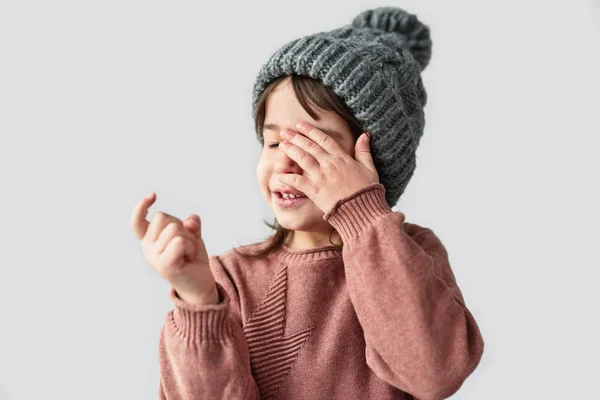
column 382, row 318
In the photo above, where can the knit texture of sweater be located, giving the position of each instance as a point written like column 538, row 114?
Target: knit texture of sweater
column 380, row 318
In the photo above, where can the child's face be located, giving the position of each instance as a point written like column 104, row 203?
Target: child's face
column 284, row 110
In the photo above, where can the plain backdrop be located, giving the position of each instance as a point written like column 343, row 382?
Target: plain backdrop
column 103, row 102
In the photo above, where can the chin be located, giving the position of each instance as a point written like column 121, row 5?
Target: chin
column 306, row 222
column 294, row 223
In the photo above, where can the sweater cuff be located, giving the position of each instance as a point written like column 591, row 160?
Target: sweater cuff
column 204, row 323
column 353, row 213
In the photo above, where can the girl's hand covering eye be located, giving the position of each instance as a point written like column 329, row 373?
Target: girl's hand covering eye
column 332, row 173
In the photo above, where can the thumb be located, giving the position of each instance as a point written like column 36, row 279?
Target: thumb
column 192, row 224
column 362, row 152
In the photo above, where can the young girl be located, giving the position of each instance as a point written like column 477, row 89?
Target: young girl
column 346, row 300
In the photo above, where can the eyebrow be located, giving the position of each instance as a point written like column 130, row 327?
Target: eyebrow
column 330, row 132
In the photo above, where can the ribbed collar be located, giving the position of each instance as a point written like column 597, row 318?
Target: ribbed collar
column 317, row 254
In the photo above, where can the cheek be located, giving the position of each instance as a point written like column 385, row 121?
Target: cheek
column 262, row 174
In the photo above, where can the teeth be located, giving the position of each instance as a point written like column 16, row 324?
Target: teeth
column 290, row 196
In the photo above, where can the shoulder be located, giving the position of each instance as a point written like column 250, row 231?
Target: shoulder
column 424, row 236
column 427, row 239
column 239, row 255
column 240, row 268
column 416, row 231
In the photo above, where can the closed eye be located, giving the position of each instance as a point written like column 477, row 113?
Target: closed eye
column 273, row 145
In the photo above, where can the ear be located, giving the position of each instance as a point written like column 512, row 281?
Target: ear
column 362, row 152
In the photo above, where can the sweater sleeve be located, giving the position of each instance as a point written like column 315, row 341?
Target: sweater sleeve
column 420, row 336
column 203, row 353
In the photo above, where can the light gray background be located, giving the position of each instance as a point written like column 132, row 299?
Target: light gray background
column 103, row 102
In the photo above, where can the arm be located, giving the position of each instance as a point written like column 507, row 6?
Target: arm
column 420, row 336
column 203, row 353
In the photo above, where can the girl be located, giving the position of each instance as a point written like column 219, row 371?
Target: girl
column 346, row 300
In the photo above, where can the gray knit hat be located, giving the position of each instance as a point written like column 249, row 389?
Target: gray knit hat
column 374, row 65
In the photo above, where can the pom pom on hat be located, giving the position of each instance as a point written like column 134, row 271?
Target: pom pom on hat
column 410, row 33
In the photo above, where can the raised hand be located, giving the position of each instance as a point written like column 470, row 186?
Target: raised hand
column 175, row 250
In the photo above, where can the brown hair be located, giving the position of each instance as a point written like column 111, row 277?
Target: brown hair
column 308, row 91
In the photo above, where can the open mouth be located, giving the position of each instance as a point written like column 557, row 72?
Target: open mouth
column 287, row 202
column 288, row 196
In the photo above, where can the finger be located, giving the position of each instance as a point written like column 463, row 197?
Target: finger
column 138, row 222
column 298, row 182
column 192, row 222
column 304, row 159
column 175, row 252
column 192, row 217
column 172, row 230
column 158, row 223
column 303, row 142
column 319, row 137
column 190, row 251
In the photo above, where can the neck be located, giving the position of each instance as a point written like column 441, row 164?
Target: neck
column 304, row 240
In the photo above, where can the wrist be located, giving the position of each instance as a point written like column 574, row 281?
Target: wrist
column 211, row 298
